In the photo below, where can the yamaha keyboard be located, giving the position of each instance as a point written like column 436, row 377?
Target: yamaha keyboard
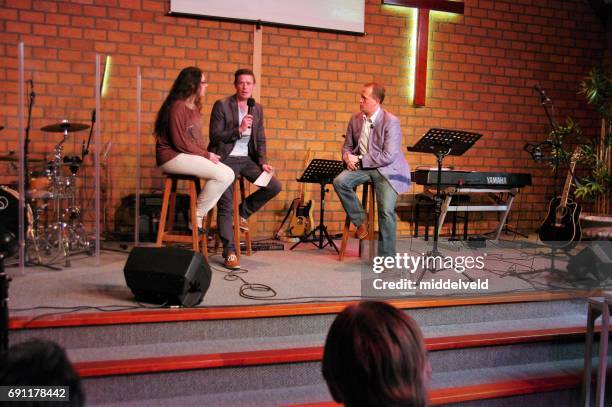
column 472, row 179
column 500, row 187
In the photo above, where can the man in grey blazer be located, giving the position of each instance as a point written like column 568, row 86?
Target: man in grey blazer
column 372, row 151
column 237, row 135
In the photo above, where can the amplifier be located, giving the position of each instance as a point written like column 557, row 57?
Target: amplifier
column 150, row 209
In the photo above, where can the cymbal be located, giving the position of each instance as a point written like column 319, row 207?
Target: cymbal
column 65, row 125
column 15, row 158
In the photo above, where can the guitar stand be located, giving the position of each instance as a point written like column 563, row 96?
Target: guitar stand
column 320, row 172
column 442, row 142
column 322, row 229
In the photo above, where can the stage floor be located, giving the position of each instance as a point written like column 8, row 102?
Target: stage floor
column 305, row 275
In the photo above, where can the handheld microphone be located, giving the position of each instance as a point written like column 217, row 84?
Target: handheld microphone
column 250, row 104
column 543, row 96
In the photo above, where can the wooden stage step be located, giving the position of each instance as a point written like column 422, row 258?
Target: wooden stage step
column 260, row 311
column 157, row 355
column 486, row 391
column 308, row 354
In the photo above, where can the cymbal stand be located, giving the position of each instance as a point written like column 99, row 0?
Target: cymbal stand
column 29, row 232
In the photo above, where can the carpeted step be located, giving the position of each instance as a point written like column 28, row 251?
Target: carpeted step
column 168, row 326
column 165, row 354
column 540, row 380
column 249, row 351
column 292, row 366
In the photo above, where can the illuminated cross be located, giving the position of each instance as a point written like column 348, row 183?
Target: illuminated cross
column 424, row 7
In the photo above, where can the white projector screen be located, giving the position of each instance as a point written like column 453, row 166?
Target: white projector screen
column 335, row 15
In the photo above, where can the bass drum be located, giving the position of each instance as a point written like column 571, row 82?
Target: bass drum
column 9, row 214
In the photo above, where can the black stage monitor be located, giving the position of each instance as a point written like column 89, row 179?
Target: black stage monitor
column 166, row 275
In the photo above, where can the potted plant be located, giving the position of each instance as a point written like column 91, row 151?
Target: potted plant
column 596, row 184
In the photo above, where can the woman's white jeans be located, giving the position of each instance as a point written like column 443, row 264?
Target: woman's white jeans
column 218, row 178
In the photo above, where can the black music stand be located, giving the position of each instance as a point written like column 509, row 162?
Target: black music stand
column 320, row 172
column 442, row 142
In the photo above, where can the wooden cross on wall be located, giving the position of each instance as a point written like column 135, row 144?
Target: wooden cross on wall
column 424, row 7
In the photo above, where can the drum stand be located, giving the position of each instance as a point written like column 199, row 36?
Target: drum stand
column 66, row 232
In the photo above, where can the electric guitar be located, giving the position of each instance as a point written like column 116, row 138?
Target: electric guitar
column 561, row 228
column 301, row 209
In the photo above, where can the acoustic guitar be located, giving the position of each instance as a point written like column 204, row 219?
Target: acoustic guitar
column 561, row 228
column 301, row 220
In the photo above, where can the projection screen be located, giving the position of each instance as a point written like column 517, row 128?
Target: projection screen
column 334, row 15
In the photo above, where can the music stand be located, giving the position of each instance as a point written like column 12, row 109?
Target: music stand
column 442, row 142
column 320, row 172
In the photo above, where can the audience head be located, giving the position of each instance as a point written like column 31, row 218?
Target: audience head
column 375, row 356
column 40, row 363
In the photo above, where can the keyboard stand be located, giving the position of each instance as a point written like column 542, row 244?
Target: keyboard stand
column 503, row 206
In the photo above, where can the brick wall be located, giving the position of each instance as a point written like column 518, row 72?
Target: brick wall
column 482, row 68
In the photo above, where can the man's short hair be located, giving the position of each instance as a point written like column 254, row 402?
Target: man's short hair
column 378, row 90
column 243, row 71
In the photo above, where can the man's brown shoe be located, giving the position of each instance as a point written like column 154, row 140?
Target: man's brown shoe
column 244, row 225
column 362, row 231
column 231, row 262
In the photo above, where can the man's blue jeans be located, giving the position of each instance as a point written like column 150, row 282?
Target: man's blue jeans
column 386, row 197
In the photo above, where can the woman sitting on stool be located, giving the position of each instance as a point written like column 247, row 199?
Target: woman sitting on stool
column 179, row 147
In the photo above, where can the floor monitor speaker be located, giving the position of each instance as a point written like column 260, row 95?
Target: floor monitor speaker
column 166, row 275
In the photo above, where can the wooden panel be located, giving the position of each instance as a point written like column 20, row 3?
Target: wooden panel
column 420, row 71
column 189, row 362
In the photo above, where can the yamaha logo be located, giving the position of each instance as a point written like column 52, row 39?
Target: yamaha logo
column 4, row 203
column 497, row 180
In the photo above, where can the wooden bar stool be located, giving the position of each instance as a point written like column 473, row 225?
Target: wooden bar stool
column 238, row 196
column 238, row 183
column 368, row 203
column 168, row 213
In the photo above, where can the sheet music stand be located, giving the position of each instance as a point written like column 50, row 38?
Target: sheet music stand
column 320, row 172
column 443, row 142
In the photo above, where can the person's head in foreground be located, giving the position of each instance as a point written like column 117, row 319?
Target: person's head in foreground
column 375, row 356
column 39, row 362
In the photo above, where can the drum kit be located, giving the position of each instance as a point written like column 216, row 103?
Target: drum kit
column 54, row 227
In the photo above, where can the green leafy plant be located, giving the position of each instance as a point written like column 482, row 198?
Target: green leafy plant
column 597, row 183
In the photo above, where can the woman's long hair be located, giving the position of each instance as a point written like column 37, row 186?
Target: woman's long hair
column 375, row 356
column 186, row 84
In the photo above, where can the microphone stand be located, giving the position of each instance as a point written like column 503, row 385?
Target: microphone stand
column 84, row 148
column 26, row 145
column 26, row 178
column 555, row 142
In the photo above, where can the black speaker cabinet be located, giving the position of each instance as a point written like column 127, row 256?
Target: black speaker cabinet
column 166, row 275
column 595, row 259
